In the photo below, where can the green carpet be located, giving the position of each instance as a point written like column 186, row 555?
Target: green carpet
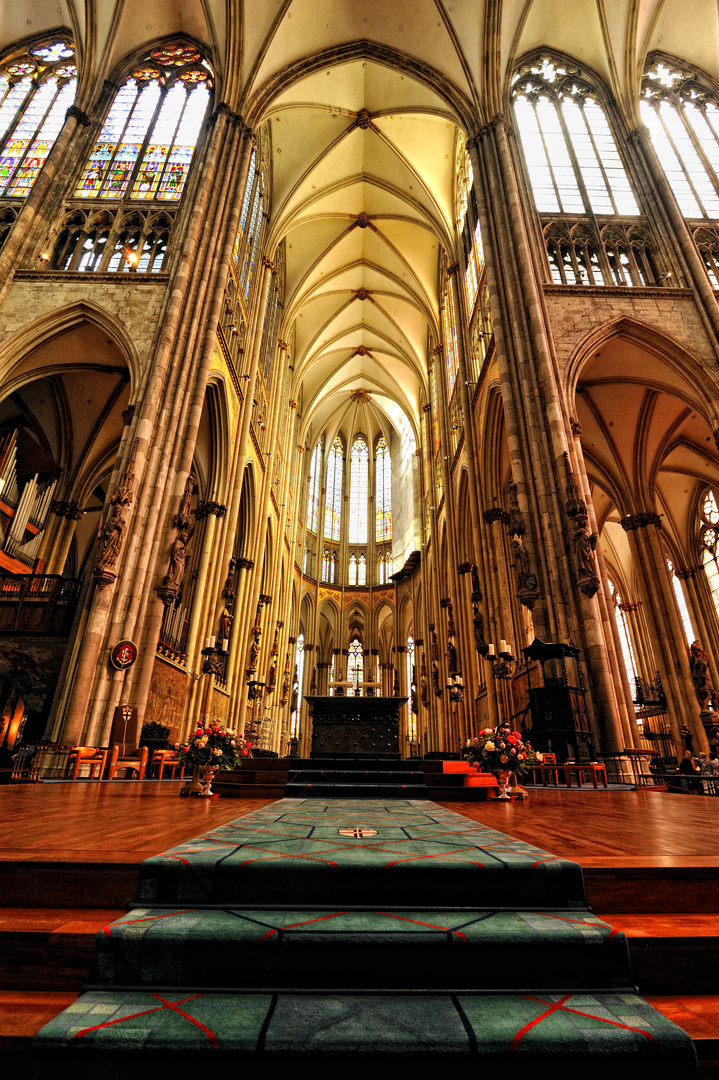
column 436, row 938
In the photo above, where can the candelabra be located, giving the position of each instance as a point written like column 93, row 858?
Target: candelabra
column 455, row 685
column 502, row 662
column 214, row 655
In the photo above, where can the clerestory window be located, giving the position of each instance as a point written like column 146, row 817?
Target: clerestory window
column 37, row 87
column 683, row 119
column 383, row 491
column 146, row 144
column 572, row 158
column 709, row 539
column 333, row 490
column 313, row 495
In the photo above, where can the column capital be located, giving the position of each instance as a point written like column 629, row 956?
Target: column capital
column 640, row 521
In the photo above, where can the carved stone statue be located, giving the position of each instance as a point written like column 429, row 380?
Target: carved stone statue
column 525, row 577
column 285, row 681
column 178, row 558
column 476, row 590
column 423, row 681
column 272, row 675
column 111, row 537
column 228, row 589
column 182, row 517
column 452, row 658
column 582, row 542
column 478, row 624
column 254, row 653
column 225, row 623
column 435, row 675
column 699, row 668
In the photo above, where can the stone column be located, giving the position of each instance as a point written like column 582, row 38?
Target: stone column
column 667, row 637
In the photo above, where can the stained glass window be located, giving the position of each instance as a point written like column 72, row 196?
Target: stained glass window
column 383, row 491
column 710, row 545
column 333, row 501
column 683, row 120
column 384, row 564
column 352, row 575
column 355, row 665
column 313, row 495
column 252, row 246
column 329, row 566
column 411, row 692
column 146, row 144
column 359, row 473
column 572, row 159
column 449, row 335
column 299, row 675
column 36, row 90
column 681, row 604
column 625, row 639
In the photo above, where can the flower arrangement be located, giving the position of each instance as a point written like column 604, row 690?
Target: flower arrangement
column 212, row 744
column 501, row 750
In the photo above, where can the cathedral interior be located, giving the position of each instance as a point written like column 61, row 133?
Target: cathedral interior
column 401, row 339
column 400, row 326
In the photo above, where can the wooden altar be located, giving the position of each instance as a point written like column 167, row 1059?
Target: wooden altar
column 355, row 726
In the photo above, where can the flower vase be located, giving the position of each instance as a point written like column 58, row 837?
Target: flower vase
column 503, row 778
column 207, row 775
column 195, row 786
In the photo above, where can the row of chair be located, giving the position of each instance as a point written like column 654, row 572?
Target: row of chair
column 550, row 770
column 108, row 762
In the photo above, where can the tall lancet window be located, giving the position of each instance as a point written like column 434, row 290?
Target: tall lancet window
column 313, row 495
column 683, row 119
column 359, row 473
column 383, row 491
column 36, row 90
column 625, row 639
column 333, row 492
column 681, row 604
column 449, row 336
column 572, row 159
column 299, row 676
column 710, row 544
column 355, row 665
column 146, row 144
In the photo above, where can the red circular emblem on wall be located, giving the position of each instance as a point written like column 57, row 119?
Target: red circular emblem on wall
column 124, row 654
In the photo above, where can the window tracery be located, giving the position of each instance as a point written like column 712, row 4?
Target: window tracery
column 625, row 638
column 449, row 336
column 313, row 495
column 355, row 664
column 299, row 675
column 709, row 536
column 683, row 120
column 384, row 565
column 359, row 474
column 580, row 253
column 146, row 144
column 36, row 90
column 572, row 158
column 383, row 491
column 681, row 604
column 411, row 692
column 107, row 241
column 333, row 503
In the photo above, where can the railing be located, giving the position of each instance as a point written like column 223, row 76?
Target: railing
column 38, row 603
column 606, row 252
column 46, row 761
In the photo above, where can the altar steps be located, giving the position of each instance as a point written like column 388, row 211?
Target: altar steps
column 293, row 937
column 355, row 777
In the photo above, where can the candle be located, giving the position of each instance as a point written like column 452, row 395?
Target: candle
column 211, row 641
column 207, row 643
column 225, row 644
column 502, row 646
column 490, row 650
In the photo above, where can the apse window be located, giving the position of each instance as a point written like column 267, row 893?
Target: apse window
column 37, row 87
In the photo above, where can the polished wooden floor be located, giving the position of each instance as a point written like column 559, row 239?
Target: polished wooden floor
column 128, row 822
column 70, row 856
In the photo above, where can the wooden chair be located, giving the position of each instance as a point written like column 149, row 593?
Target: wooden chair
column 165, row 759
column 549, row 769
column 593, row 770
column 86, row 755
column 136, row 762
